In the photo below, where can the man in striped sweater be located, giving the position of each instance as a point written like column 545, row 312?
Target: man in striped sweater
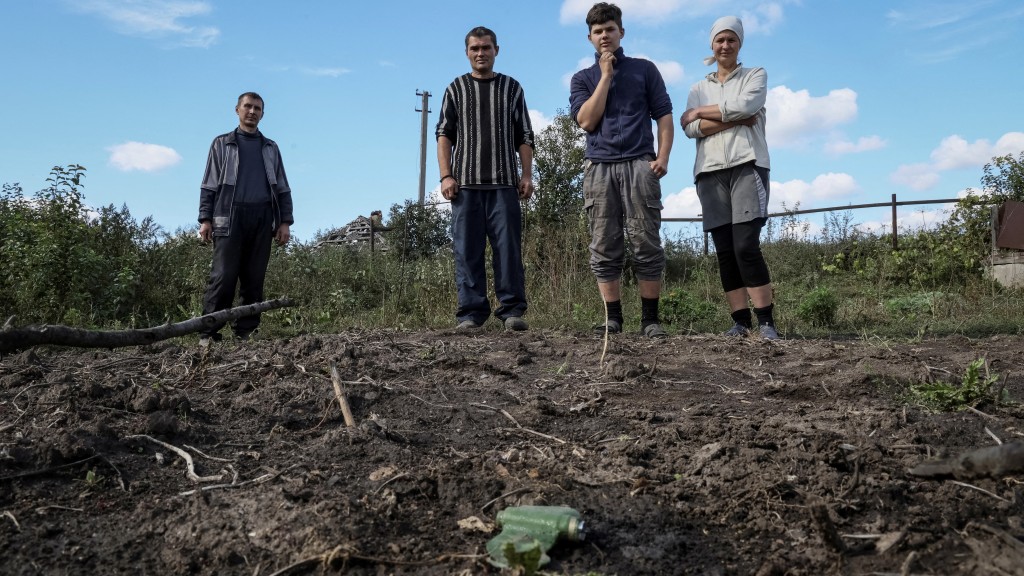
column 483, row 127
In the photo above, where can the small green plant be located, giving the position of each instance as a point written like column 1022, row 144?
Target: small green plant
column 818, row 307
column 92, row 478
column 913, row 305
column 947, row 397
column 681, row 307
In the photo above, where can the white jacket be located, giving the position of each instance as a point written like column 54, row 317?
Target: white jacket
column 741, row 96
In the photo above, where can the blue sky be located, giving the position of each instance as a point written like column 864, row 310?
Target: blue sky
column 867, row 98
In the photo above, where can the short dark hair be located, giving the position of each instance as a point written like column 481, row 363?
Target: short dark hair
column 252, row 95
column 604, row 12
column 480, row 32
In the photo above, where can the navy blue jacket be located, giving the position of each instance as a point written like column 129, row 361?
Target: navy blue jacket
column 636, row 97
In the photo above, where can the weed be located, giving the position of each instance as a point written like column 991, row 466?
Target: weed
column 947, row 397
column 818, row 307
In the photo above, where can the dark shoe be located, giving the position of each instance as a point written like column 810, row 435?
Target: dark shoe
column 467, row 325
column 654, row 330
column 737, row 331
column 515, row 324
column 613, row 327
column 768, row 332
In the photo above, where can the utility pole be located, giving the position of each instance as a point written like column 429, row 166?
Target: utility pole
column 424, row 110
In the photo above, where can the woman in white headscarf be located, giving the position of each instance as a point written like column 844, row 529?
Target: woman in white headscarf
column 726, row 116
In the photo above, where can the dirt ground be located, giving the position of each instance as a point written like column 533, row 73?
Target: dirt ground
column 688, row 455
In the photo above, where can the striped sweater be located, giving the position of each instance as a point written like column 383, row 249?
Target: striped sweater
column 487, row 122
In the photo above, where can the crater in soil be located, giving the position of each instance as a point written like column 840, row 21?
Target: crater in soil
column 688, row 455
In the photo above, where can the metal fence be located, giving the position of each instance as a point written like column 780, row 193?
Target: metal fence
column 893, row 203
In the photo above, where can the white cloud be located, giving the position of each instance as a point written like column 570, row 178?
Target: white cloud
column 954, row 153
column 863, row 144
column 328, row 72
column 539, row 121
column 916, row 176
column 759, row 16
column 762, row 19
column 132, row 156
column 795, row 117
column 160, row 19
column 672, row 72
column 682, row 204
column 794, row 193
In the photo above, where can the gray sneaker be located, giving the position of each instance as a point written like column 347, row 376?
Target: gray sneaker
column 467, row 325
column 737, row 331
column 613, row 326
column 515, row 324
column 654, row 330
column 768, row 332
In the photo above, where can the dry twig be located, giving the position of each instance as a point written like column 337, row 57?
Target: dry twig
column 8, row 514
column 235, row 484
column 191, row 473
column 503, row 496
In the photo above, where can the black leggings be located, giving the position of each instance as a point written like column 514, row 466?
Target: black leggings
column 740, row 262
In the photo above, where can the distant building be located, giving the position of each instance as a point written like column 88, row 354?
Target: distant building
column 357, row 234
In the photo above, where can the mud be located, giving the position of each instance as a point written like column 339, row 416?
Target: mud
column 688, row 455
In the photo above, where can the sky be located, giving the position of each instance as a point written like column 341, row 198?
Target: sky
column 866, row 99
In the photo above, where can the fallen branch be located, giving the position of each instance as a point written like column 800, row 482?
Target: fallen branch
column 993, row 462
column 346, row 412
column 12, row 339
column 191, row 473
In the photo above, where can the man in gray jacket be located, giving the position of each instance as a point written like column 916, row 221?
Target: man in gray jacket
column 244, row 201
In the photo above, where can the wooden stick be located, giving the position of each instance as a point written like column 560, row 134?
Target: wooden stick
column 346, row 412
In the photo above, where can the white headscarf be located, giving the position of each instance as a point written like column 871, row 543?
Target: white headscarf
column 725, row 23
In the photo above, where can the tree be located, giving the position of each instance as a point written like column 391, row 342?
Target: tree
column 418, row 231
column 558, row 162
column 969, row 224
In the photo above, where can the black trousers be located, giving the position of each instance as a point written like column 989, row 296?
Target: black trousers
column 241, row 259
column 740, row 262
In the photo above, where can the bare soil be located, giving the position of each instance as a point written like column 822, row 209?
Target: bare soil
column 688, row 455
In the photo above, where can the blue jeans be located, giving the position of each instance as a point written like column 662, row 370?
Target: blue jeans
column 479, row 216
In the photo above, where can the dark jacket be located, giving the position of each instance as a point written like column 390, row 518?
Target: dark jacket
column 637, row 96
column 218, row 189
